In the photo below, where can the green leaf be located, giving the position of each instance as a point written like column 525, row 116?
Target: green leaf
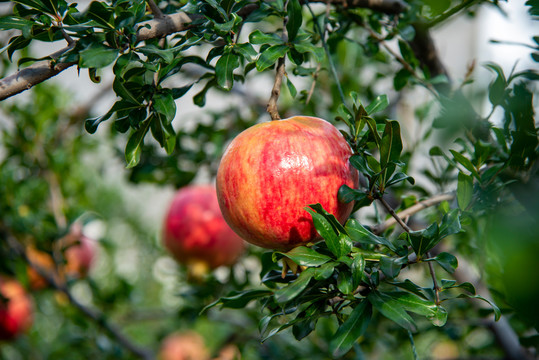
column 351, row 329
column 464, row 190
column 496, row 89
column 246, row 50
column 295, row 288
column 270, row 56
column 497, row 312
column 424, row 240
column 360, row 163
column 306, row 47
column 238, row 299
column 357, row 268
column 133, row 148
column 450, row 224
column 358, row 233
column 464, row 161
column 447, row 261
column 224, row 70
column 294, row 19
column 347, row 194
column 398, row 177
column 391, row 267
column 391, row 309
column 306, row 256
column 97, row 56
column 257, row 37
column 377, row 105
column 436, row 314
column 391, row 144
column 401, row 79
column 373, row 131
column 163, row 103
column 344, row 283
column 14, row 22
column 291, row 87
column 411, row 287
column 325, row 271
column 324, row 228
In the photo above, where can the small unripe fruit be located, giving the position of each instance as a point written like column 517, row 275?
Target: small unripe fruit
column 195, row 232
column 270, row 172
column 15, row 309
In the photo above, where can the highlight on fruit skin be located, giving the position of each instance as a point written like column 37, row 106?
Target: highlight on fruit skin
column 270, row 172
column 195, row 232
column 16, row 309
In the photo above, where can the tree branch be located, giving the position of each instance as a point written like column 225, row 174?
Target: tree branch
column 94, row 314
column 412, row 210
column 384, row 6
column 37, row 73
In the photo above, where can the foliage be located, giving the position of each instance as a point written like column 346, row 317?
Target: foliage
column 378, row 284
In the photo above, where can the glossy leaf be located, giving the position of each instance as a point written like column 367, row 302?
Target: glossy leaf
column 295, row 288
column 351, row 329
column 391, row 309
column 224, row 70
column 380, row 103
column 133, row 148
column 359, row 233
column 97, row 56
column 270, row 56
column 447, row 261
column 239, row 299
column 294, row 19
column 306, row 256
column 391, row 144
column 257, row 37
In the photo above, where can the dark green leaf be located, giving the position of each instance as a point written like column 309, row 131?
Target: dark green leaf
column 464, row 190
column 401, row 79
column 14, row 22
column 325, row 271
column 436, row 314
column 345, row 283
column 224, row 70
column 497, row 312
column 306, row 256
column 358, row 233
column 411, row 287
column 391, row 144
column 324, row 228
column 163, row 103
column 450, row 224
column 257, row 37
column 238, row 299
column 294, row 19
column 464, row 161
column 306, row 47
column 424, row 240
column 352, row 328
column 377, row 105
column 270, row 56
column 133, row 148
column 295, row 288
column 447, row 261
column 357, row 268
column 391, row 267
column 398, row 177
column 391, row 309
column 291, row 87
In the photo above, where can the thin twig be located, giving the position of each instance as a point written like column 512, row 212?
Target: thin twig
column 315, row 77
column 323, row 35
column 93, row 314
column 157, row 13
column 408, row 230
column 394, row 214
column 403, row 62
column 280, row 71
column 434, row 281
column 413, row 209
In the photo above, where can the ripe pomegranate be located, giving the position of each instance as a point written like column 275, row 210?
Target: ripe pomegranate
column 270, row 172
column 195, row 232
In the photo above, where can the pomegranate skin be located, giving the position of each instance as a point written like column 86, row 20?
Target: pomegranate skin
column 272, row 171
column 195, row 231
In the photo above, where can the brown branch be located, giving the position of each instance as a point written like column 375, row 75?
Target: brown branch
column 276, row 91
column 412, row 210
column 157, row 13
column 279, row 73
column 94, row 314
column 37, row 73
column 384, row 6
column 394, row 214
